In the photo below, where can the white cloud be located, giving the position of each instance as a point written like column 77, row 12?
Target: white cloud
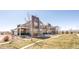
column 70, row 28
column 6, row 28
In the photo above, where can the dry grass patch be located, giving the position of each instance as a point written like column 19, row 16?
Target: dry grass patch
column 66, row 41
column 17, row 43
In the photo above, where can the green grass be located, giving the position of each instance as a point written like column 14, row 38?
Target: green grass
column 66, row 41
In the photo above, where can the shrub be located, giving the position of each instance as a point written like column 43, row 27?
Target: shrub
column 6, row 38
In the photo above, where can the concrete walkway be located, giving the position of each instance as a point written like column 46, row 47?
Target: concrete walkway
column 5, row 43
column 2, row 37
column 25, row 47
column 78, row 35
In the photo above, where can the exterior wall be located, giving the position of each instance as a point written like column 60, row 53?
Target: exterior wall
column 35, row 26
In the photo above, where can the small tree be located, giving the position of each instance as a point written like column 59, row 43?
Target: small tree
column 67, row 32
column 62, row 32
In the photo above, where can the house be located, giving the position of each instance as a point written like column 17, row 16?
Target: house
column 34, row 27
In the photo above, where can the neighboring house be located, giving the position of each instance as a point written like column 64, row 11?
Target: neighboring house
column 34, row 27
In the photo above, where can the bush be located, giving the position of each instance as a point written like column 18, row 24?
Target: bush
column 6, row 38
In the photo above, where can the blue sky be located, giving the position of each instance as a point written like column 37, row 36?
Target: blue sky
column 66, row 19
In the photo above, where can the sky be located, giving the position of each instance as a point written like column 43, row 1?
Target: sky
column 65, row 19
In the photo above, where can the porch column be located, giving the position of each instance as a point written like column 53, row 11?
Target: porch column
column 20, row 31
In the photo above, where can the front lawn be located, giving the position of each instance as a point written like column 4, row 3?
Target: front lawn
column 17, row 43
column 66, row 41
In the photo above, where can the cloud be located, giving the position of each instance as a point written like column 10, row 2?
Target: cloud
column 70, row 28
column 6, row 28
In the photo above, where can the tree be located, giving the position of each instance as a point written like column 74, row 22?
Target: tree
column 56, row 29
